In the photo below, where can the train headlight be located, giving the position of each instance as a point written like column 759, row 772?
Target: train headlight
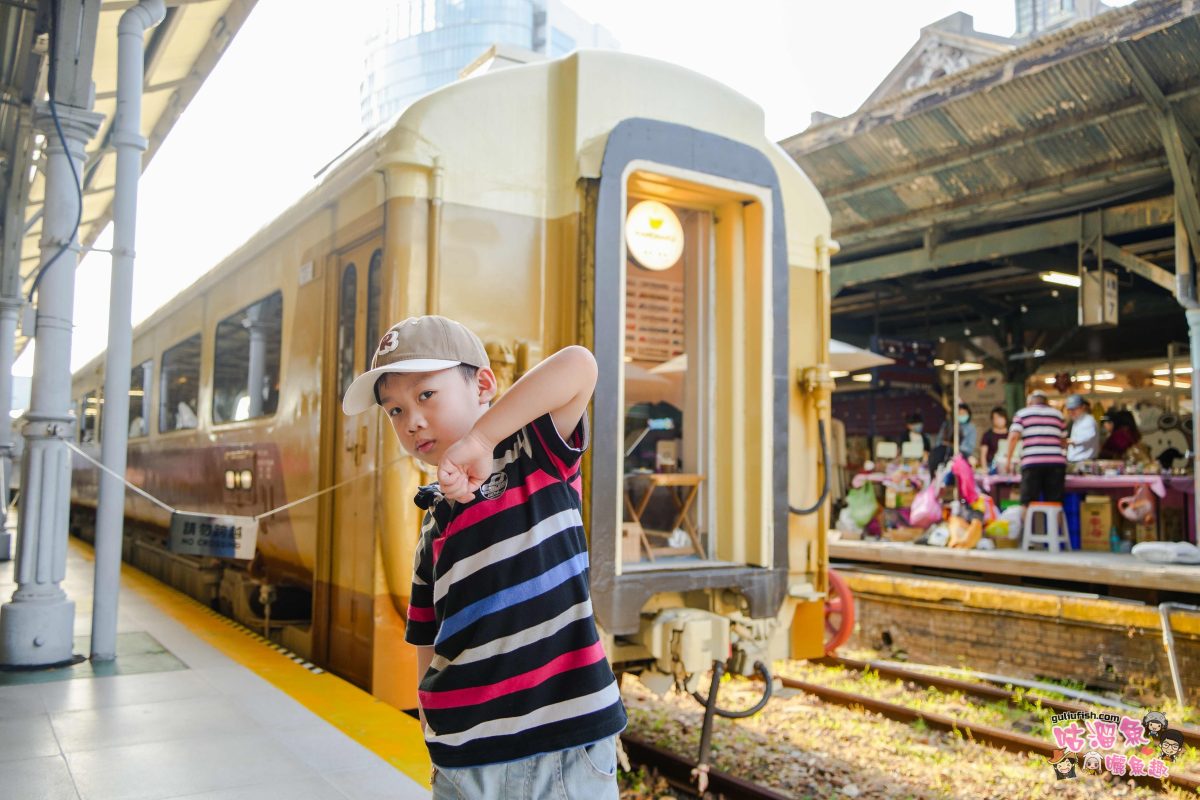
column 230, row 480
column 246, row 480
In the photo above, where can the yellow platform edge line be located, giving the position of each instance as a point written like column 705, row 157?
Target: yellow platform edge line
column 383, row 729
column 1044, row 604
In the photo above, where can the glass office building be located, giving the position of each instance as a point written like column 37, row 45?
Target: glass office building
column 420, row 45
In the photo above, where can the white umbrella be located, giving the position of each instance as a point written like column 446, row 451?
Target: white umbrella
column 676, row 364
column 848, row 358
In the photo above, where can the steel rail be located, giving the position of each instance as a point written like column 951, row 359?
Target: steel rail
column 1191, row 736
column 986, row 734
column 677, row 770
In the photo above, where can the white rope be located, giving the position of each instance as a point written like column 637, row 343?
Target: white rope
column 257, row 517
column 121, row 478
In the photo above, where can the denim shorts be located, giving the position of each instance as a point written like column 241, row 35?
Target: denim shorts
column 584, row 773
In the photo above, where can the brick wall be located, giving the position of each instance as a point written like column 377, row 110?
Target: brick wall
column 1127, row 658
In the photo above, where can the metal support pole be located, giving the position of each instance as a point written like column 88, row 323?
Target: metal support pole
column 37, row 627
column 10, row 308
column 257, row 362
column 130, row 144
column 1193, row 320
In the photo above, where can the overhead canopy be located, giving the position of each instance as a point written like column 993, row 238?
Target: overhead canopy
column 995, row 173
column 180, row 54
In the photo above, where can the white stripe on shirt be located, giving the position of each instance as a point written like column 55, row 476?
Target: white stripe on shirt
column 506, row 644
column 555, row 712
column 550, row 526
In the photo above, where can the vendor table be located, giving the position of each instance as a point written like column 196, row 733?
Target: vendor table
column 1085, row 482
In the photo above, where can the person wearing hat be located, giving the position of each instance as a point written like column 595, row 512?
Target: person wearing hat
column 1120, row 432
column 512, row 675
column 1040, row 429
column 1084, row 441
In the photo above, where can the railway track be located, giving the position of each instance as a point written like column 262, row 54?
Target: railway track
column 677, row 770
column 1011, row 741
column 1191, row 736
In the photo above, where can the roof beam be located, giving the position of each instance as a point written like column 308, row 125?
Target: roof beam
column 1183, row 154
column 999, row 244
column 1139, row 266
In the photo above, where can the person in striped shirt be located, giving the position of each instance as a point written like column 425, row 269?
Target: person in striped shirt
column 515, row 692
column 1042, row 433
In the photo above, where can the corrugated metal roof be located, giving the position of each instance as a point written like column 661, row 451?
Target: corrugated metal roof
column 181, row 53
column 1051, row 125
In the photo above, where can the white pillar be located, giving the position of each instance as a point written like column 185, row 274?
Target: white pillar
column 37, row 626
column 130, row 144
column 10, row 308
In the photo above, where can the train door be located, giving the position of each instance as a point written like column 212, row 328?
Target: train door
column 350, row 615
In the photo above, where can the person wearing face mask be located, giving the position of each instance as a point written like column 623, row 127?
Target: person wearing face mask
column 968, row 437
column 915, row 431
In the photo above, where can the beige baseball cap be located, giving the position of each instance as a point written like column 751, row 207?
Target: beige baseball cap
column 418, row 344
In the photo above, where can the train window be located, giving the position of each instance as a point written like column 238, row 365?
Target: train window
column 346, row 313
column 246, row 362
column 179, row 386
column 139, row 399
column 89, row 417
column 374, row 289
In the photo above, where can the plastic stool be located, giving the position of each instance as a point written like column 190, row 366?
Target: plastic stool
column 1054, row 527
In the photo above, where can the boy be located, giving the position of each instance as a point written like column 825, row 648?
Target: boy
column 516, row 696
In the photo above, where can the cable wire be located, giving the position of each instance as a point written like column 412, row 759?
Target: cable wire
column 52, row 86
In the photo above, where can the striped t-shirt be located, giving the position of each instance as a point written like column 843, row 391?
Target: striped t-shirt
column 1042, row 429
column 500, row 590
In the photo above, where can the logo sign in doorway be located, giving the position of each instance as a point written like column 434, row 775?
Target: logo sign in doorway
column 215, row 536
column 654, row 235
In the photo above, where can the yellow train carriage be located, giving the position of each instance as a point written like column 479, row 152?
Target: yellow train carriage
column 603, row 199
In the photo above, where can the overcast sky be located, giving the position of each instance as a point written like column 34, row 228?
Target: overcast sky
column 284, row 100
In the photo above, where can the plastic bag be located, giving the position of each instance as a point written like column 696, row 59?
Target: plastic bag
column 1138, row 507
column 966, row 479
column 1014, row 516
column 926, row 507
column 1167, row 552
column 847, row 526
column 862, row 504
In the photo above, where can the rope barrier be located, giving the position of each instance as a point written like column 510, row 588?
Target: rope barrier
column 172, row 510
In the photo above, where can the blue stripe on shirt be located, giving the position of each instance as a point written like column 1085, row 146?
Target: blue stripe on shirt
column 512, row 595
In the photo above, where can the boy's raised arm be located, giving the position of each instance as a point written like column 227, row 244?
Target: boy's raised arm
column 560, row 386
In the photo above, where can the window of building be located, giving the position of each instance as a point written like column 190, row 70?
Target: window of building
column 179, row 386
column 89, row 417
column 560, row 43
column 139, row 399
column 246, row 362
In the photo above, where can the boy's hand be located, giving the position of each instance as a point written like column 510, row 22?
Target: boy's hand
column 464, row 467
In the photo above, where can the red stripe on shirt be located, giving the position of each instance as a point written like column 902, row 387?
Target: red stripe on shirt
column 456, row 698
column 420, row 613
column 513, row 496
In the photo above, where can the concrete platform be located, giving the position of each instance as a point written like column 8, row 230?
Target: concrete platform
column 194, row 709
column 1077, row 566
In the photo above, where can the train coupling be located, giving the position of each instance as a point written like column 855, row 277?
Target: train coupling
column 684, row 643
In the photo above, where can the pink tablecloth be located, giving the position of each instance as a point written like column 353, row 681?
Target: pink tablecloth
column 1085, row 482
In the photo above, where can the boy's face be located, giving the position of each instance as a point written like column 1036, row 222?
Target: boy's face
column 432, row 410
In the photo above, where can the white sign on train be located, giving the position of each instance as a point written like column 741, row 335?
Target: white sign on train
column 215, row 536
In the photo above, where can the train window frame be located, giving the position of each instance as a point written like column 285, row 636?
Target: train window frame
column 374, row 305
column 146, row 372
column 347, row 319
column 228, row 344
column 699, row 190
column 95, row 430
column 164, row 394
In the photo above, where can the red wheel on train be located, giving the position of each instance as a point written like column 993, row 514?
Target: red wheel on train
column 839, row 613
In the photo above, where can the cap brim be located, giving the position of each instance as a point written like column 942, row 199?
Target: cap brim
column 361, row 394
